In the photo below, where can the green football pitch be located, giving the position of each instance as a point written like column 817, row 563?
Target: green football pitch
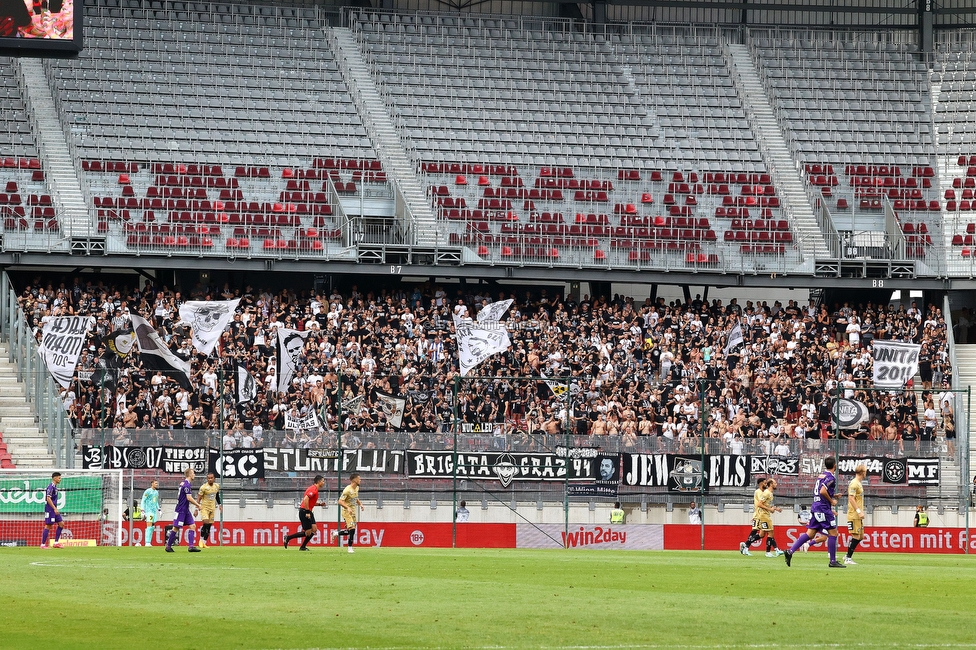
column 418, row 598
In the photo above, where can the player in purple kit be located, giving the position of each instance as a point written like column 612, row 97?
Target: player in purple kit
column 52, row 518
column 823, row 519
column 183, row 516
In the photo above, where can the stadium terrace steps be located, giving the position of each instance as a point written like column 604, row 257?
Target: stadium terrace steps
column 966, row 372
column 385, row 138
column 782, row 167
column 53, row 149
column 18, row 427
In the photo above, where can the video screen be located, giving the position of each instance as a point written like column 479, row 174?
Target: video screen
column 40, row 25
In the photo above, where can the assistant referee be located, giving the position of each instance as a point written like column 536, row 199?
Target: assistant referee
column 305, row 515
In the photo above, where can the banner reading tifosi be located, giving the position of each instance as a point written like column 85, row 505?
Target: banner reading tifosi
column 76, row 494
column 685, row 473
column 504, row 467
column 622, row 537
column 171, row 460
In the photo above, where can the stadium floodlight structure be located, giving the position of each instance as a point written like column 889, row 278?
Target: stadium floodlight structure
column 89, row 500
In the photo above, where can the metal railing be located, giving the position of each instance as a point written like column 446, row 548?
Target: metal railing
column 42, row 393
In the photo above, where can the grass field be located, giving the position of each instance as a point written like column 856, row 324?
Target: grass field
column 415, row 598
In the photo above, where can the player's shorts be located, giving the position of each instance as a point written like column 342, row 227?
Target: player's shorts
column 183, row 519
column 207, row 513
column 50, row 518
column 151, row 517
column 822, row 521
column 763, row 524
column 307, row 519
column 349, row 519
column 856, row 526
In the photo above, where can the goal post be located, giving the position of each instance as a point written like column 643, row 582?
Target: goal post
column 89, row 500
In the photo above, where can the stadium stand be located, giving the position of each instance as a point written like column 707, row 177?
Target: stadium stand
column 633, row 370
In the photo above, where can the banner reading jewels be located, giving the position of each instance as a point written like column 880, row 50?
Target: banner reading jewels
column 913, row 471
column 685, row 473
column 504, row 467
column 170, row 460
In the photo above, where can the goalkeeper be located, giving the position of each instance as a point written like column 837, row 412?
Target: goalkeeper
column 209, row 498
column 150, row 509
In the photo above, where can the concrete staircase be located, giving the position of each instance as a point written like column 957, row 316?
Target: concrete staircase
column 782, row 168
column 59, row 170
column 18, row 425
column 384, row 136
column 966, row 372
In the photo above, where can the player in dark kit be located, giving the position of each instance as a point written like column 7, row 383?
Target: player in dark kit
column 183, row 516
column 305, row 514
column 824, row 519
column 52, row 517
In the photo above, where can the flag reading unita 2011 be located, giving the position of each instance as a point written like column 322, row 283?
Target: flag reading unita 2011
column 894, row 363
column 62, row 340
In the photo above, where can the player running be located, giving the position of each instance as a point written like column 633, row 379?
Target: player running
column 766, row 519
column 183, row 516
column 150, row 509
column 305, row 515
column 209, row 498
column 855, row 510
column 53, row 523
column 349, row 499
column 824, row 518
column 754, row 534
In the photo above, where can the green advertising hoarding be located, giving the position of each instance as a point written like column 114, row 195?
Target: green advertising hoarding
column 76, row 494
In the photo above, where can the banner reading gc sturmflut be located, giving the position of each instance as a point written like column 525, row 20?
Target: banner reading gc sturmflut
column 62, row 340
column 894, row 363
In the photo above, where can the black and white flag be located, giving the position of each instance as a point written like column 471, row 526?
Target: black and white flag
column 208, row 320
column 558, row 388
column 849, row 413
column 156, row 355
column 62, row 340
column 118, row 345
column 735, row 338
column 493, row 312
column 247, row 388
column 478, row 341
column 894, row 363
column 392, row 407
column 288, row 354
column 305, row 422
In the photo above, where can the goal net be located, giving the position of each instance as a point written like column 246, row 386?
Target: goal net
column 89, row 501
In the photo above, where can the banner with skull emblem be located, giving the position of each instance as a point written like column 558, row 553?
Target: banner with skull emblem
column 478, row 341
column 208, row 319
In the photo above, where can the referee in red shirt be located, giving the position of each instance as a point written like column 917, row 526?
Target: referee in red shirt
column 305, row 515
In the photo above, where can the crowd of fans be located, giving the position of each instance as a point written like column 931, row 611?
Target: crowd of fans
column 634, row 369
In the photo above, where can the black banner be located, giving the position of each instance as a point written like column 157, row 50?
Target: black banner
column 364, row 461
column 779, row 465
column 504, row 467
column 236, row 463
column 170, row 460
column 606, row 491
column 898, row 471
column 684, row 473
